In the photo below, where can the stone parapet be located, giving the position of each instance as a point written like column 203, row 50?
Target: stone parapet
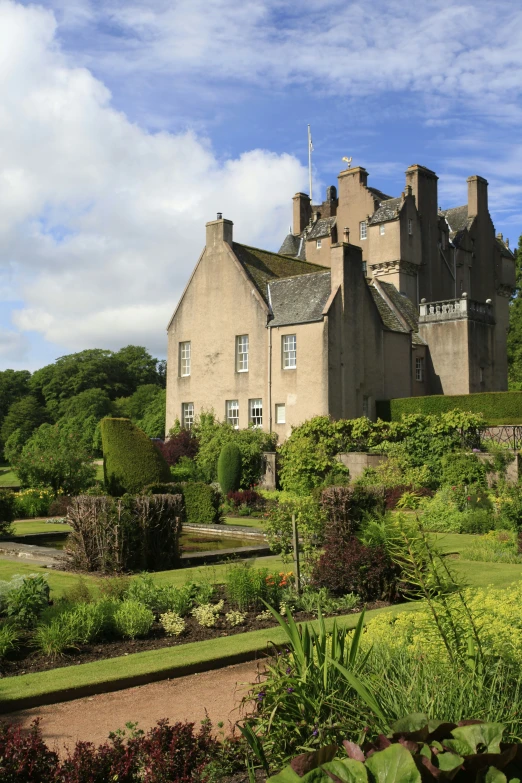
column 456, row 309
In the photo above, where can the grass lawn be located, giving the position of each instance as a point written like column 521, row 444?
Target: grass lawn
column 99, row 473
column 8, row 477
column 244, row 522
column 29, row 526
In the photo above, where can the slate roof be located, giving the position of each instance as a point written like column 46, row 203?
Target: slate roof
column 299, row 300
column 405, row 307
column 262, row 266
column 457, row 218
column 504, row 249
column 290, row 246
column 387, row 210
column 379, row 195
column 322, row 228
column 388, row 317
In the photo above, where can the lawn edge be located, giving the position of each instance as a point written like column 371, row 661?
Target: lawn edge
column 78, row 681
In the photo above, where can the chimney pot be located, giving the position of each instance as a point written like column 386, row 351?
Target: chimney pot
column 219, row 216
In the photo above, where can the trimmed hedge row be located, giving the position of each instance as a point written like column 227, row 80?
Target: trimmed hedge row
column 496, row 407
column 130, row 459
column 202, row 501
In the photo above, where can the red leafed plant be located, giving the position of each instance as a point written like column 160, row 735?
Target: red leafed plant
column 184, row 444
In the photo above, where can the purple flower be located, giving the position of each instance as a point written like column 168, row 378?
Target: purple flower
column 290, row 690
column 261, row 695
column 289, row 670
column 315, row 732
column 476, row 451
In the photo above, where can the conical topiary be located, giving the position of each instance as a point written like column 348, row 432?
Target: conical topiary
column 229, row 468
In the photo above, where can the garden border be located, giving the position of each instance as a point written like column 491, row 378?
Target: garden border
column 74, row 682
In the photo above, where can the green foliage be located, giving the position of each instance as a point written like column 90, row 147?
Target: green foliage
column 495, row 407
column 8, row 639
column 247, row 588
column 416, row 444
column 161, row 598
column 55, row 458
column 185, row 469
column 202, row 503
column 132, row 619
column 24, row 417
column 14, row 384
column 172, row 623
column 452, row 510
column 146, row 408
column 25, row 602
column 514, row 341
column 30, row 503
column 310, row 519
column 463, row 468
column 416, row 749
column 212, row 436
column 130, row 459
column 7, row 511
column 497, row 546
column 229, row 468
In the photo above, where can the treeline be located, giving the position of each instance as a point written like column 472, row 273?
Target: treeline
column 77, row 391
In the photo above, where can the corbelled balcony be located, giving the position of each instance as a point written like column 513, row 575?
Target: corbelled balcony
column 456, row 309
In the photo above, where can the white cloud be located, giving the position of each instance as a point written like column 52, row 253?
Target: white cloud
column 14, row 347
column 101, row 221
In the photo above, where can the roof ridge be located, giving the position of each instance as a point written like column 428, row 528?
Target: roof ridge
column 279, row 255
column 324, row 271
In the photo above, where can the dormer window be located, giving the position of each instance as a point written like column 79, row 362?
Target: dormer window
column 318, row 244
column 363, row 229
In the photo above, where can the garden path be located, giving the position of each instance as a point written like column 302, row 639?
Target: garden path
column 183, row 699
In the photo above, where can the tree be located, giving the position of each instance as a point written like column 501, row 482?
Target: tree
column 153, row 421
column 134, row 407
column 514, row 341
column 14, row 384
column 26, row 416
column 54, row 457
column 141, row 367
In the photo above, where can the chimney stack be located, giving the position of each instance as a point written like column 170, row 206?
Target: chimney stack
column 302, row 212
column 477, row 196
column 219, row 231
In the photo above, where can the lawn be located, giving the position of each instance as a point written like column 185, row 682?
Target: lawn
column 8, row 477
column 26, row 527
column 253, row 522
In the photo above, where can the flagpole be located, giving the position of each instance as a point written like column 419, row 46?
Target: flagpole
column 310, row 162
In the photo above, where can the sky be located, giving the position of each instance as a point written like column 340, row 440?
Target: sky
column 125, row 125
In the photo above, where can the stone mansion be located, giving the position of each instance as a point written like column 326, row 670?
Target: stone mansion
column 369, row 297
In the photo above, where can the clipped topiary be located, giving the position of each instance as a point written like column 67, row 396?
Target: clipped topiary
column 7, row 511
column 229, row 468
column 130, row 459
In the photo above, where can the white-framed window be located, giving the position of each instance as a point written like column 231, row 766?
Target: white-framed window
column 289, row 352
column 232, row 412
column 184, row 359
column 410, row 226
column 419, row 369
column 318, row 244
column 242, row 353
column 382, row 229
column 365, row 268
column 363, row 229
column 280, row 413
column 255, row 412
column 366, row 406
column 187, row 415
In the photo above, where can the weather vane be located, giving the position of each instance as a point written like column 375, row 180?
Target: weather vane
column 348, row 161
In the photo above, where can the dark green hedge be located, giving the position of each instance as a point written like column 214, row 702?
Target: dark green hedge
column 202, row 501
column 496, row 407
column 229, row 468
column 130, row 459
column 7, row 510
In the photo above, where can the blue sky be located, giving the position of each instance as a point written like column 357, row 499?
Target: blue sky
column 126, row 124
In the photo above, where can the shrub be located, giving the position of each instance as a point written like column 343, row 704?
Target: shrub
column 310, row 519
column 348, row 566
column 207, row 614
column 183, row 444
column 8, row 639
column 345, row 507
column 172, row 623
column 130, row 459
column 54, row 638
column 495, row 407
column 132, row 619
column 24, row 756
column 60, row 505
column 462, row 468
column 247, row 587
column 54, row 457
column 30, row 503
column 245, row 497
column 202, row 503
column 161, row 598
column 185, row 470
column 7, row 511
column 27, row 601
column 497, row 546
column 229, row 468
column 124, row 534
column 451, row 510
column 508, row 506
column 235, row 618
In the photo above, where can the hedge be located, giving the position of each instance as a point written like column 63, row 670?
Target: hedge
column 7, row 510
column 202, row 501
column 229, row 468
column 130, row 459
column 496, row 407
column 132, row 533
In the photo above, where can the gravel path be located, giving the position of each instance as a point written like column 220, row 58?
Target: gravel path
column 183, row 699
